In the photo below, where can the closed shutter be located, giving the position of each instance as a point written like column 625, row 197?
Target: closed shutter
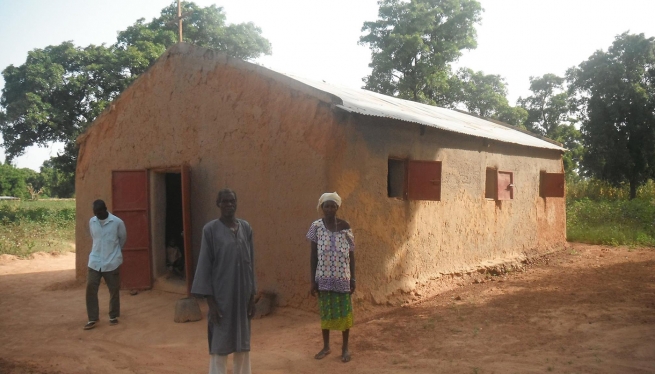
column 505, row 185
column 551, row 185
column 424, row 180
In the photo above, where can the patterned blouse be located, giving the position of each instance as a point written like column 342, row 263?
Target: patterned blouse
column 333, row 269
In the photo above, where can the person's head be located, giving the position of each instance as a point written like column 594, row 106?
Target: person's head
column 329, row 203
column 100, row 209
column 226, row 201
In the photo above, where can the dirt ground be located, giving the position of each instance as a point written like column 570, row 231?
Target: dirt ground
column 585, row 309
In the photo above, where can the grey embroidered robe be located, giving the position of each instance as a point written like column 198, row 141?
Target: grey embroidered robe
column 226, row 272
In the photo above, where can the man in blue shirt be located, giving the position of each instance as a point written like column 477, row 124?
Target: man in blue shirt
column 109, row 236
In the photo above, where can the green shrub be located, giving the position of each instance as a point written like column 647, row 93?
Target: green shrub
column 611, row 222
column 598, row 190
column 32, row 226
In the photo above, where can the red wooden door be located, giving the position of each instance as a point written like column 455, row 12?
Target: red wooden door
column 424, row 180
column 186, row 225
column 130, row 203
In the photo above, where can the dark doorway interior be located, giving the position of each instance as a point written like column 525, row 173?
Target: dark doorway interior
column 174, row 233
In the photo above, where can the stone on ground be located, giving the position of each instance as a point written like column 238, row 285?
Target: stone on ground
column 187, row 310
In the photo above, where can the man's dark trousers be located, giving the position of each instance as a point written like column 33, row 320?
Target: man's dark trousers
column 112, row 278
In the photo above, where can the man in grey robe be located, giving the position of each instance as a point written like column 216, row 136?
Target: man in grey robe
column 225, row 276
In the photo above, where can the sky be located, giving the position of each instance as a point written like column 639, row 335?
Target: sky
column 318, row 39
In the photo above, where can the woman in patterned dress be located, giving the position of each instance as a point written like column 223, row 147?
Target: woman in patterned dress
column 333, row 272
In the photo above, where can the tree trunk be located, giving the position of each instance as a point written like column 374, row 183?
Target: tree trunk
column 633, row 189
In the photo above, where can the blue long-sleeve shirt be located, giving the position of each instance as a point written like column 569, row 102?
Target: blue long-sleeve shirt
column 108, row 241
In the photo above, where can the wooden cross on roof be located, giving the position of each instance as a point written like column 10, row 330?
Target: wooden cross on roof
column 180, row 17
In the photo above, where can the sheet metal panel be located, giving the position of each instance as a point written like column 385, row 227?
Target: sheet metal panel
column 374, row 104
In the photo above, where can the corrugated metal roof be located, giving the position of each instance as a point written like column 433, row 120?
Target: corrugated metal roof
column 374, row 104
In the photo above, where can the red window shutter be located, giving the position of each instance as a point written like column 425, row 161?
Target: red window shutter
column 505, row 185
column 424, row 180
column 551, row 185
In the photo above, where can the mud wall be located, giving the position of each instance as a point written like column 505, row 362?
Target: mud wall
column 402, row 244
column 279, row 145
column 235, row 128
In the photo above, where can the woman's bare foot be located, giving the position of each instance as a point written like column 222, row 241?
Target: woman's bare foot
column 324, row 352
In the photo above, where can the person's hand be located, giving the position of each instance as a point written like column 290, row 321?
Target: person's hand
column 314, row 290
column 251, row 307
column 215, row 316
column 352, row 286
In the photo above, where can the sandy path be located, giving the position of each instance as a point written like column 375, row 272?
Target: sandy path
column 587, row 309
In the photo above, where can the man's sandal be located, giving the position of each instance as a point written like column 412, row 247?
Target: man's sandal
column 89, row 325
column 345, row 357
column 322, row 354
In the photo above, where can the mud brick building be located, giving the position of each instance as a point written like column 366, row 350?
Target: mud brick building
column 428, row 191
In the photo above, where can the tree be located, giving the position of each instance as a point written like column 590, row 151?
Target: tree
column 14, row 181
column 615, row 93
column 549, row 114
column 60, row 90
column 56, row 182
column 481, row 94
column 56, row 94
column 514, row 115
column 571, row 139
column 547, row 106
column 143, row 42
column 484, row 95
column 413, row 44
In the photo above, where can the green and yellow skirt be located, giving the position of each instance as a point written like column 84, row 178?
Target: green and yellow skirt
column 336, row 310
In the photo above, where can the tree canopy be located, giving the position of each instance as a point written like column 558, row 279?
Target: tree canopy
column 484, row 95
column 56, row 93
column 61, row 89
column 549, row 113
column 48, row 182
column 13, row 181
column 615, row 94
column 413, row 44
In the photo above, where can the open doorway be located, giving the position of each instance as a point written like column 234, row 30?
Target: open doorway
column 167, row 220
column 174, row 233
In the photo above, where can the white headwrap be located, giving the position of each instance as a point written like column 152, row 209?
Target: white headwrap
column 328, row 197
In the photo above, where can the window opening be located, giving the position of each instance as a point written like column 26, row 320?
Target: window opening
column 396, row 178
column 414, row 180
column 491, row 184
